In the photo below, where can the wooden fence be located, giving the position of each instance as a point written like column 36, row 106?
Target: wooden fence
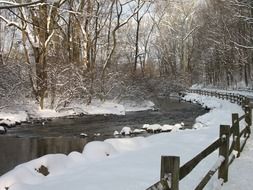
column 230, row 144
column 232, row 97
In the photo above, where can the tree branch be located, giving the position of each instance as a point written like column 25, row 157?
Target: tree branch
column 13, row 5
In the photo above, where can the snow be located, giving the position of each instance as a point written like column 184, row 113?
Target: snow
column 138, row 131
column 218, row 163
column 49, row 113
column 166, row 127
column 240, row 172
column 2, row 129
column 13, row 118
column 126, row 131
column 153, row 127
column 97, row 107
column 115, row 133
column 83, row 135
column 128, row 144
column 134, row 163
column 17, row 114
column 112, row 107
column 97, row 150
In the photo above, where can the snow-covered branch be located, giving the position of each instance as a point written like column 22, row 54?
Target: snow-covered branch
column 242, row 46
column 12, row 5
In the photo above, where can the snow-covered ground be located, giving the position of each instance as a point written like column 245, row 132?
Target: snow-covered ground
column 240, row 172
column 134, row 163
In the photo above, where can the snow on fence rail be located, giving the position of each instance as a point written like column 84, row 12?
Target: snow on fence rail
column 232, row 97
column 230, row 144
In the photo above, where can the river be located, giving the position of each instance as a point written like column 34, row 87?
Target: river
column 62, row 135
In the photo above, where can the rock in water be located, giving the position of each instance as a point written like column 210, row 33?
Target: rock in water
column 125, row 131
column 116, row 133
column 83, row 135
column 3, row 130
column 7, row 123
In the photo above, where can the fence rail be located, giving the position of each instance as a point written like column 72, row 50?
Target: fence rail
column 230, row 143
column 232, row 97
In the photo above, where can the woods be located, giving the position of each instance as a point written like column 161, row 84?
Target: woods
column 57, row 51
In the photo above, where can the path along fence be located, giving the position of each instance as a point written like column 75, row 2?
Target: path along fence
column 230, row 144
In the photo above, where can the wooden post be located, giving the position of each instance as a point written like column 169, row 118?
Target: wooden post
column 236, row 133
column 224, row 151
column 244, row 101
column 170, row 166
column 240, row 99
column 248, row 118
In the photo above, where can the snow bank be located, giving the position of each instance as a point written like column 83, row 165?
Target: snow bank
column 98, row 150
column 57, row 164
column 97, row 107
column 49, row 113
column 128, row 144
column 205, row 101
column 221, row 110
column 11, row 119
column 28, row 172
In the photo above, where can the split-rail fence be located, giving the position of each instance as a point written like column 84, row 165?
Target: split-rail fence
column 230, row 144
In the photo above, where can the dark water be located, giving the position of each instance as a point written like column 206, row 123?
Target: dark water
column 61, row 135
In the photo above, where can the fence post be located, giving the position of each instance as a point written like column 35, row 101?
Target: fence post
column 170, row 166
column 236, row 133
column 224, row 151
column 248, row 118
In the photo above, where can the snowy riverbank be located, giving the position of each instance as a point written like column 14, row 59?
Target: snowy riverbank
column 129, row 163
column 11, row 116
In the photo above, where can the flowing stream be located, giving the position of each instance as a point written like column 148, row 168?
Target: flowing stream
column 62, row 135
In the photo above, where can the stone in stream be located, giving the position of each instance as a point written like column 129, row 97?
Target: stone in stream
column 126, row 131
column 97, row 134
column 116, row 133
column 138, row 131
column 3, row 130
column 83, row 135
column 8, row 123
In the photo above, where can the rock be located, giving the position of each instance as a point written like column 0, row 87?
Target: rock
column 43, row 170
column 3, row 130
column 83, row 135
column 116, row 133
column 138, row 131
column 155, row 109
column 125, row 131
column 7, row 123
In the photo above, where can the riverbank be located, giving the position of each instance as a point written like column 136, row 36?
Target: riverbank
column 130, row 163
column 12, row 116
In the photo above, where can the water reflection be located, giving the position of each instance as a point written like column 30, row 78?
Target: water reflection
column 14, row 151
